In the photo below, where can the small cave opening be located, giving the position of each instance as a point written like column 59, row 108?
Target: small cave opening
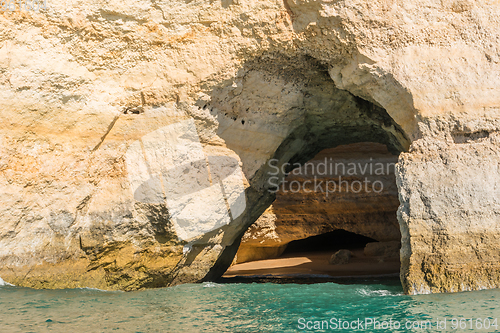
column 335, row 254
column 328, row 242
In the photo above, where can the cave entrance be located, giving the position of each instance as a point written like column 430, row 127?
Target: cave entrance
column 351, row 231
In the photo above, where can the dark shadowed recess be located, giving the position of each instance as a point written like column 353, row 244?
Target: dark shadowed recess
column 330, row 241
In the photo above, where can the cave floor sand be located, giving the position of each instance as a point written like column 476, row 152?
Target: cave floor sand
column 316, row 264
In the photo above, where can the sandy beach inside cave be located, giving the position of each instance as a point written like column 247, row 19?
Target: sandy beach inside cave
column 316, row 263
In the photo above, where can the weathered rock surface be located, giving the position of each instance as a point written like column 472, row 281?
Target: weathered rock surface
column 261, row 80
column 449, row 216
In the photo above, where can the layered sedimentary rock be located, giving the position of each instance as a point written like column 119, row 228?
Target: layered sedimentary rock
column 351, row 187
column 85, row 84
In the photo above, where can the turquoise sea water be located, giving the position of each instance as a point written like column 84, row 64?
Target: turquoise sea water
column 212, row 307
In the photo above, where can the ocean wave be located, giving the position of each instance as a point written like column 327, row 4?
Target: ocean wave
column 368, row 292
column 210, row 284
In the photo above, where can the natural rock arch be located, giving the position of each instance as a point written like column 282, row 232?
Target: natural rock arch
column 328, row 117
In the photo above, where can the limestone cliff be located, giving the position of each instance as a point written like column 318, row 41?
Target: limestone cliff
column 88, row 89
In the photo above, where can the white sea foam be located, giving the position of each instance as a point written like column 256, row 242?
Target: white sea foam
column 210, row 284
column 3, row 283
column 368, row 292
column 96, row 289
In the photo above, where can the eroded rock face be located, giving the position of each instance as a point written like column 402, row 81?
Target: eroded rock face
column 261, row 80
column 449, row 216
column 361, row 197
